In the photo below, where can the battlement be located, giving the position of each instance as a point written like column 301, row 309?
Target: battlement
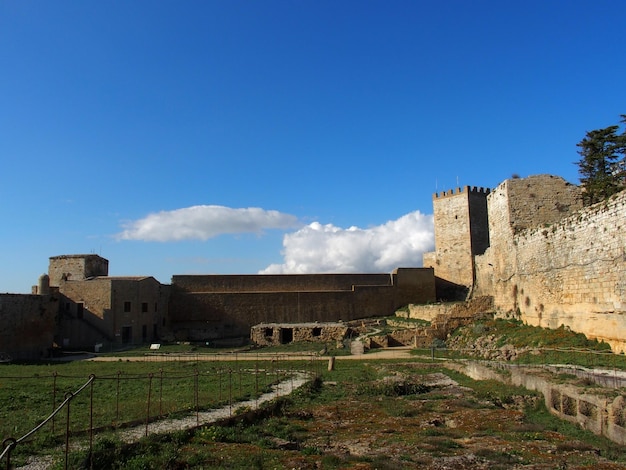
column 463, row 190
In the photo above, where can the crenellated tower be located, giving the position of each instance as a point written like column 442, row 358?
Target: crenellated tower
column 461, row 232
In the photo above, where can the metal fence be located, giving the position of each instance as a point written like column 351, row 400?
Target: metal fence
column 83, row 407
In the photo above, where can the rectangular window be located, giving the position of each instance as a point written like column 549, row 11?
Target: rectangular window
column 80, row 307
column 144, row 332
column 156, row 307
column 144, row 307
column 127, row 306
column 67, row 306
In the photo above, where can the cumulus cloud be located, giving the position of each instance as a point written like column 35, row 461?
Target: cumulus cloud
column 204, row 222
column 318, row 248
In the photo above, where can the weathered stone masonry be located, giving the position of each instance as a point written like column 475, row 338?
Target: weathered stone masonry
column 28, row 325
column 570, row 272
column 210, row 307
column 549, row 260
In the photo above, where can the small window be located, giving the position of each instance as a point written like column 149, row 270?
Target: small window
column 80, row 308
column 316, row 332
column 156, row 307
column 144, row 307
column 126, row 306
column 67, row 306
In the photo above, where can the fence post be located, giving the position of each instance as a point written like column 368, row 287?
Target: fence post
column 68, row 397
column 230, row 392
column 161, row 392
column 93, row 377
column 219, row 379
column 150, row 376
column 54, row 397
column 9, row 443
column 196, row 398
column 256, row 381
column 117, row 399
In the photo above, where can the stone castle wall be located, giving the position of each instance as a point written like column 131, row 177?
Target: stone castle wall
column 197, row 314
column 278, row 282
column 567, row 270
column 28, row 325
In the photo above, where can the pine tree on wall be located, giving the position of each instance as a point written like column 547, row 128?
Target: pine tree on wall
column 602, row 168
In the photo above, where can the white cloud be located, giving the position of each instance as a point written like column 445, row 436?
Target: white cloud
column 318, row 248
column 204, row 222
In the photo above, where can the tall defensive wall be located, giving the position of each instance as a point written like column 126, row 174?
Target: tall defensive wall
column 220, row 306
column 461, row 233
column 554, row 262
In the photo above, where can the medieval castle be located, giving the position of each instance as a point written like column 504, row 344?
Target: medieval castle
column 529, row 244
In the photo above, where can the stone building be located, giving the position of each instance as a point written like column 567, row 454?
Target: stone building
column 95, row 308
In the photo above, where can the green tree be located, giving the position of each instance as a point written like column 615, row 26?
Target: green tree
column 602, row 167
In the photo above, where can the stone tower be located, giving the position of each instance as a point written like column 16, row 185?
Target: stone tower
column 76, row 268
column 461, row 233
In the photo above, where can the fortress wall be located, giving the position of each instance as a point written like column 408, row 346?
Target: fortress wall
column 277, row 282
column 198, row 316
column 513, row 206
column 540, row 200
column 209, row 315
column 572, row 273
column 28, row 325
column 498, row 262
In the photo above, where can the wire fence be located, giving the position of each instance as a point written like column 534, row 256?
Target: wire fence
column 76, row 408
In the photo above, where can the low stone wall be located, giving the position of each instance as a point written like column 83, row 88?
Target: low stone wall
column 268, row 334
column 599, row 413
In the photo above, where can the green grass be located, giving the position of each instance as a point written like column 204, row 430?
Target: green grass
column 254, row 444
column 121, row 393
column 537, row 346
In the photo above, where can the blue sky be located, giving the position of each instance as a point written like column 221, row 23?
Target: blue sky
column 281, row 136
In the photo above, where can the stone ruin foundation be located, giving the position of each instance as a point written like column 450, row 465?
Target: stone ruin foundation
column 271, row 334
